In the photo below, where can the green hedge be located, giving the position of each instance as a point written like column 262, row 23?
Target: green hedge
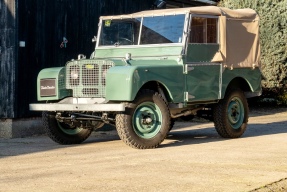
column 273, row 37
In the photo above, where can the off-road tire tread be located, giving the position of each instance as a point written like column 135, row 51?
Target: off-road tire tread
column 122, row 121
column 172, row 122
column 54, row 132
column 220, row 120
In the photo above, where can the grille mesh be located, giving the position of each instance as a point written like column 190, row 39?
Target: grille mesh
column 88, row 74
column 87, row 78
column 61, row 81
column 74, row 71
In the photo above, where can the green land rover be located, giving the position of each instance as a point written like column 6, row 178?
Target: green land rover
column 152, row 67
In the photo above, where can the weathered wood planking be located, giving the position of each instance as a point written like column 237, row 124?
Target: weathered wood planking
column 8, row 54
column 42, row 24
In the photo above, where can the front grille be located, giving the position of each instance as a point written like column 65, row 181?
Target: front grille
column 87, row 78
column 74, row 70
column 90, row 91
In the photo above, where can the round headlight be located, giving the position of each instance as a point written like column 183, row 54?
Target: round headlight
column 74, row 74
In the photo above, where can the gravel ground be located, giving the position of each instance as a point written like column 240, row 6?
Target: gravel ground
column 192, row 158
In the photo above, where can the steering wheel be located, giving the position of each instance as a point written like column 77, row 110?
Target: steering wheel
column 125, row 39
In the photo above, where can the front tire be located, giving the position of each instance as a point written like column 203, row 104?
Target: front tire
column 231, row 114
column 62, row 133
column 146, row 121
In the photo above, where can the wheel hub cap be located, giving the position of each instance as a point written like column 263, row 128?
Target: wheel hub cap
column 147, row 120
column 235, row 113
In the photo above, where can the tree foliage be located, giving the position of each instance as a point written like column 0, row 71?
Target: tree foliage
column 273, row 37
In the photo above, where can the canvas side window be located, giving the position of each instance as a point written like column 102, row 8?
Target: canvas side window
column 203, row 30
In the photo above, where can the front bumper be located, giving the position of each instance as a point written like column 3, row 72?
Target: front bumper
column 79, row 104
column 76, row 107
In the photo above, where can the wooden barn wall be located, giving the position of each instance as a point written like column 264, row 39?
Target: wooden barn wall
column 8, row 55
column 44, row 23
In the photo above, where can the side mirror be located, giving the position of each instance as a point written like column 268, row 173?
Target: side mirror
column 159, row 4
column 94, row 39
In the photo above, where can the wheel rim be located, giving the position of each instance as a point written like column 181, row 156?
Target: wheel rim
column 235, row 113
column 147, row 120
column 65, row 128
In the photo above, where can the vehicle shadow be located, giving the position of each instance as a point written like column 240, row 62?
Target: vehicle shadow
column 28, row 145
column 255, row 111
column 183, row 136
column 184, row 133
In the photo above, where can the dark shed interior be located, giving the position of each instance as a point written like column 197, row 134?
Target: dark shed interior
column 37, row 34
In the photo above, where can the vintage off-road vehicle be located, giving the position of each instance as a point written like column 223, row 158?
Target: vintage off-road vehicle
column 151, row 67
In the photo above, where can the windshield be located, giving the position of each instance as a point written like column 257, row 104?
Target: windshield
column 120, row 32
column 147, row 30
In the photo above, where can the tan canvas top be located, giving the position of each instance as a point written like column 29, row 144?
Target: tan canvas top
column 239, row 32
column 206, row 10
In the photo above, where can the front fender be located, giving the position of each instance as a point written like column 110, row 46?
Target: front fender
column 124, row 82
column 57, row 73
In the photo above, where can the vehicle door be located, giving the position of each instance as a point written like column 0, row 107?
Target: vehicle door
column 203, row 76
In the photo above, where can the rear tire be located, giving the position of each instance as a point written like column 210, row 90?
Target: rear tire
column 231, row 114
column 61, row 132
column 146, row 121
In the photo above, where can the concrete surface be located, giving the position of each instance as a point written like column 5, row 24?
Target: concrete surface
column 192, row 158
column 15, row 128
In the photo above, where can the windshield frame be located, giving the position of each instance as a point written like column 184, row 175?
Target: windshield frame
column 183, row 35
